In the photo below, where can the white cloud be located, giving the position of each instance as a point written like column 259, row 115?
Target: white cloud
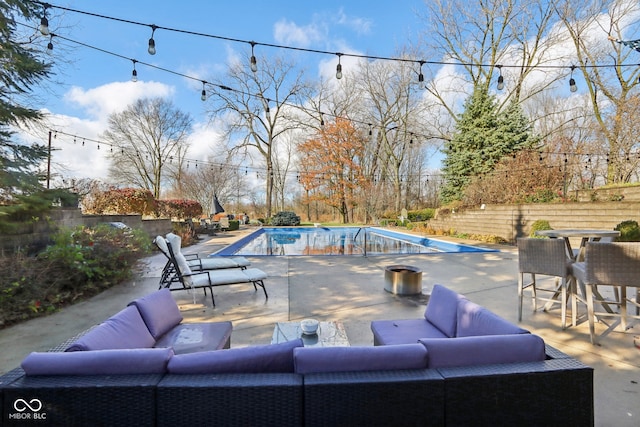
column 358, row 25
column 103, row 100
column 289, row 33
column 204, row 141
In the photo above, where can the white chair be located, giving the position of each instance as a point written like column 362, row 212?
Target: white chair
column 544, row 257
column 610, row 264
column 224, row 223
column 183, row 278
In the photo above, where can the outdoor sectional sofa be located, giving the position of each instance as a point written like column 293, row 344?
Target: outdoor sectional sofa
column 407, row 383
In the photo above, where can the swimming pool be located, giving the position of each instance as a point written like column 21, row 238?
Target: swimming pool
column 270, row 241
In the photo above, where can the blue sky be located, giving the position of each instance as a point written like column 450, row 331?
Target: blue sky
column 94, row 84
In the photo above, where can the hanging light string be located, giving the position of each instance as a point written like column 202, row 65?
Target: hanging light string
column 134, row 78
column 253, row 44
column 561, row 161
column 205, row 83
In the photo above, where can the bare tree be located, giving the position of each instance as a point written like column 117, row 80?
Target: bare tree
column 611, row 89
column 255, row 109
column 507, row 38
column 202, row 181
column 144, row 138
column 395, row 111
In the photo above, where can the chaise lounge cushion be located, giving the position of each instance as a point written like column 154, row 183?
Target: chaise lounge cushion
column 345, row 359
column 476, row 320
column 159, row 312
column 99, row 362
column 484, row 350
column 272, row 358
column 126, row 329
column 442, row 309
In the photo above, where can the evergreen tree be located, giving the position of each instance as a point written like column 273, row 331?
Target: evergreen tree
column 20, row 69
column 483, row 137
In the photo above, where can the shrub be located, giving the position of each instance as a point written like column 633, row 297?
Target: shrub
column 541, row 224
column 81, row 263
column 629, row 231
column 285, row 218
column 421, row 215
column 234, row 224
column 179, row 208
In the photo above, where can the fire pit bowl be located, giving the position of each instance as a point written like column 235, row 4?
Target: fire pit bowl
column 403, row 280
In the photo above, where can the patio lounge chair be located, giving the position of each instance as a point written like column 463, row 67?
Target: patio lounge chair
column 194, row 261
column 211, row 263
column 184, row 279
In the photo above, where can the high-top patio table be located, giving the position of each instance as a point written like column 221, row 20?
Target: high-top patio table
column 586, row 235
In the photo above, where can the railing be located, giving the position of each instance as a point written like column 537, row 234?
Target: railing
column 364, row 246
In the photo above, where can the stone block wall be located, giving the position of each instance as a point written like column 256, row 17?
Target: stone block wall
column 512, row 221
column 38, row 233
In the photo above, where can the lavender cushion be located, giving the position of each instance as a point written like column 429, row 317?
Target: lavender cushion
column 442, row 309
column 484, row 350
column 194, row 337
column 342, row 359
column 125, row 329
column 253, row 359
column 159, row 312
column 100, row 362
column 406, row 331
column 476, row 320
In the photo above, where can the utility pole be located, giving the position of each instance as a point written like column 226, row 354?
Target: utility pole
column 49, row 162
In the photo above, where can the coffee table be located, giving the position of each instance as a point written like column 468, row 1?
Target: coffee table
column 329, row 334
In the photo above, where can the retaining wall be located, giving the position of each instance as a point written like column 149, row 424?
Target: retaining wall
column 37, row 233
column 512, row 221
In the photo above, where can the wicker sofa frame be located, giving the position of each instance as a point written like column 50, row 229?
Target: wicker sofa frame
column 556, row 391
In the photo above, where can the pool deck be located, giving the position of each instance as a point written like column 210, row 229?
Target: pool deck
column 351, row 290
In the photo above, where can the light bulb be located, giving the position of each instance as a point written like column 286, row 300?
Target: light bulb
column 339, row 71
column 203, row 96
column 572, row 85
column 500, row 83
column 44, row 26
column 152, row 46
column 50, row 48
column 254, row 64
column 134, row 75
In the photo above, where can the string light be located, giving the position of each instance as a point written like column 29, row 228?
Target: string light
column 50, row 45
column 374, row 179
column 500, row 78
column 420, row 75
column 339, row 67
column 253, row 43
column 134, row 73
column 152, row 42
column 572, row 82
column 253, row 62
column 44, row 22
column 203, row 95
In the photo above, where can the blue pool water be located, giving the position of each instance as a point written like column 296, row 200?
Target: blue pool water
column 338, row 241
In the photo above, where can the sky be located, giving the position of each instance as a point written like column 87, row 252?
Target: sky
column 93, row 68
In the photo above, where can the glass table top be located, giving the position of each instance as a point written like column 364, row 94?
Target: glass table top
column 329, row 334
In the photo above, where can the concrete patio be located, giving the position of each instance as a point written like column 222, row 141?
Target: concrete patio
column 351, row 290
